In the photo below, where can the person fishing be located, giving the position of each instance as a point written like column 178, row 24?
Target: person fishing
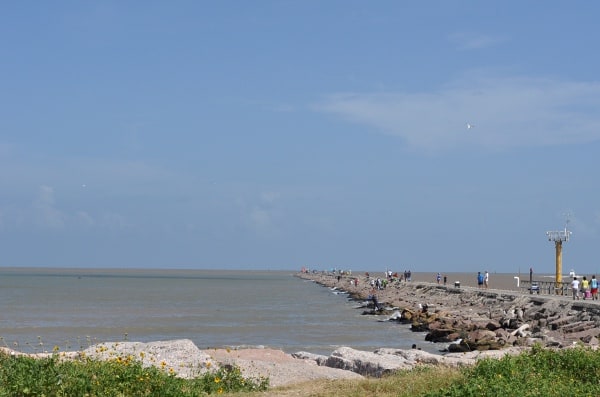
column 373, row 297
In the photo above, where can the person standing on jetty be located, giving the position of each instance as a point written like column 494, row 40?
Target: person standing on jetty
column 530, row 275
column 486, row 279
column 479, row 280
column 585, row 285
column 575, row 288
column 594, row 288
column 373, row 297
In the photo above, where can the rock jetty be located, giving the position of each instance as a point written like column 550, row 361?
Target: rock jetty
column 472, row 319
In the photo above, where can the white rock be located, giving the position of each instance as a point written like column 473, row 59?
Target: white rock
column 181, row 356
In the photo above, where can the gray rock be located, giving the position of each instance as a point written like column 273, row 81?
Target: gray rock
column 318, row 358
column 366, row 363
column 181, row 356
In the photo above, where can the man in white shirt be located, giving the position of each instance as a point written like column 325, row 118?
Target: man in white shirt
column 575, row 288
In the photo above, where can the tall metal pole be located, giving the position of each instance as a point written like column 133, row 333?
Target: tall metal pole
column 558, row 237
column 558, row 245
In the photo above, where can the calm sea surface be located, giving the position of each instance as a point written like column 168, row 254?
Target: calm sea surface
column 72, row 308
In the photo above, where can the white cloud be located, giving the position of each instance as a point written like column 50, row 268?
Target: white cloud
column 281, row 108
column 45, row 214
column 508, row 112
column 113, row 221
column 473, row 41
column 84, row 218
column 270, row 197
column 263, row 217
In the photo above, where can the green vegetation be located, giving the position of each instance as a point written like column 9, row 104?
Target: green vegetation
column 538, row 372
column 22, row 376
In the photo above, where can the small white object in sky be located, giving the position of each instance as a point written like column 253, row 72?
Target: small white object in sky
column 469, row 126
column 83, row 185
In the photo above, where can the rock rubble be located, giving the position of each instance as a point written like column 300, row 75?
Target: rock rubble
column 477, row 320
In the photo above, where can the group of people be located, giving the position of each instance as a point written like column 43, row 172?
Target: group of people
column 587, row 289
column 483, row 280
column 438, row 278
column 379, row 283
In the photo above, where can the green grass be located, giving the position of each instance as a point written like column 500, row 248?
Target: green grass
column 22, row 376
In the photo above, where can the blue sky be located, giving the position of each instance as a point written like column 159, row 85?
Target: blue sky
column 281, row 134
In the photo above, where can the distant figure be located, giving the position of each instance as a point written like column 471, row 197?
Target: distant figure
column 445, row 279
column 373, row 297
column 594, row 288
column 575, row 288
column 530, row 275
column 486, row 279
column 438, row 278
column 585, row 288
column 479, row 280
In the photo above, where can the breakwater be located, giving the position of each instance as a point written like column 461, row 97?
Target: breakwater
column 469, row 318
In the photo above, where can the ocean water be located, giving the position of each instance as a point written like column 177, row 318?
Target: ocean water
column 73, row 308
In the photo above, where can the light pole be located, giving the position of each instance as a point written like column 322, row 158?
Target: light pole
column 558, row 237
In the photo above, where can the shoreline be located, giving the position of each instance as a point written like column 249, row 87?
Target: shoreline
column 494, row 322
column 184, row 359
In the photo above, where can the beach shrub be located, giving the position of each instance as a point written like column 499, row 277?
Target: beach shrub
column 23, row 376
column 539, row 372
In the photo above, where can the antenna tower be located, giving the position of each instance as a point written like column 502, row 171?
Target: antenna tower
column 558, row 237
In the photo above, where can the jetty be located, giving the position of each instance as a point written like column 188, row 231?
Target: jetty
column 469, row 318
